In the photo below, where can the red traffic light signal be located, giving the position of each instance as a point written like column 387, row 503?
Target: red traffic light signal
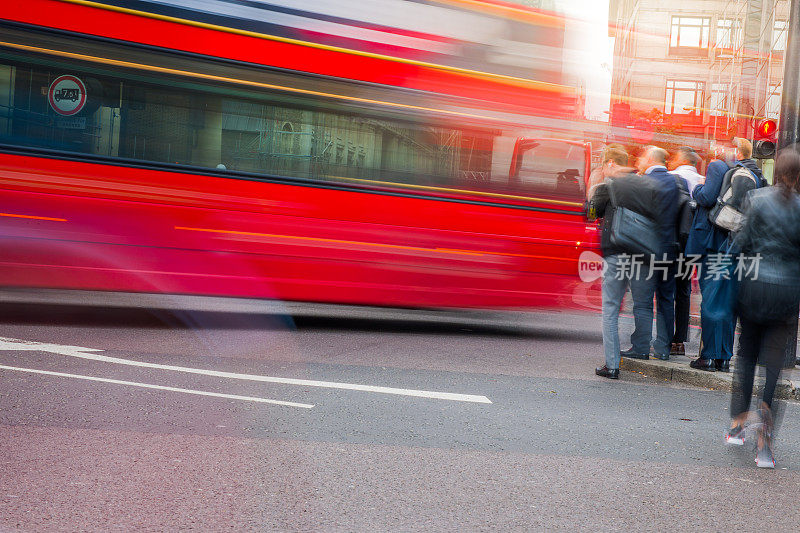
column 765, row 137
column 766, row 129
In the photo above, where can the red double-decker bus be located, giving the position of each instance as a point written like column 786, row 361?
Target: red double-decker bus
column 304, row 151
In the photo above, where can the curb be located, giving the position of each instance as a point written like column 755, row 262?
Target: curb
column 682, row 373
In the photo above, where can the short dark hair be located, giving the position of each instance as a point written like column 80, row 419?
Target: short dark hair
column 617, row 155
column 688, row 154
column 787, row 169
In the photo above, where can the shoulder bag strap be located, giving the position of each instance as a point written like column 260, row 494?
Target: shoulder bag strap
column 611, row 195
column 726, row 189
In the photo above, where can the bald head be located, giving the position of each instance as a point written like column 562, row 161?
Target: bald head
column 653, row 155
column 657, row 155
column 687, row 156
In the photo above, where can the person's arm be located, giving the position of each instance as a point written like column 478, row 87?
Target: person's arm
column 598, row 202
column 595, row 179
column 706, row 193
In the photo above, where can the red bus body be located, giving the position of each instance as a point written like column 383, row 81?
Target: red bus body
column 74, row 222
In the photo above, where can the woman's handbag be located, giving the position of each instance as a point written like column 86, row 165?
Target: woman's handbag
column 632, row 232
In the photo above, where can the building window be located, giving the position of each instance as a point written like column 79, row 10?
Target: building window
column 779, row 33
column 772, row 107
column 728, row 34
column 689, row 32
column 718, row 101
column 683, row 97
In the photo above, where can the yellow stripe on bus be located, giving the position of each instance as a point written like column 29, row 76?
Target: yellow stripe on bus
column 211, row 77
column 445, row 189
column 534, row 84
column 367, row 243
column 14, row 215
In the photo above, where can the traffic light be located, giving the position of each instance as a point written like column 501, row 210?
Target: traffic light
column 765, row 137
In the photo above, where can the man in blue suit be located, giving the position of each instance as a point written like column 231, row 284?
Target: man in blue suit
column 653, row 166
column 717, row 317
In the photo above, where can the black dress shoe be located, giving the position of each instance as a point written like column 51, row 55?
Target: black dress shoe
column 634, row 355
column 722, row 365
column 703, row 364
column 606, row 372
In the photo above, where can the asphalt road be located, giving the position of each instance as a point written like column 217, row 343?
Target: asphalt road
column 153, row 420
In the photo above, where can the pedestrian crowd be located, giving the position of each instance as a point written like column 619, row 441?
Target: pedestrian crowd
column 663, row 225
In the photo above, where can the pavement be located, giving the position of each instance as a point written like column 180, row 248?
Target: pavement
column 677, row 369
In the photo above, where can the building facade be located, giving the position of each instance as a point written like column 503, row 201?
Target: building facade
column 697, row 71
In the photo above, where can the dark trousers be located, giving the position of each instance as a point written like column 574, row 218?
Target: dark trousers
column 764, row 341
column 683, row 293
column 717, row 317
column 662, row 285
column 665, row 312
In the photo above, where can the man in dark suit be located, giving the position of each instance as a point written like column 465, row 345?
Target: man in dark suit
column 718, row 288
column 684, row 164
column 653, row 168
column 634, row 193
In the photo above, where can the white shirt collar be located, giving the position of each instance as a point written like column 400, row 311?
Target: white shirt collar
column 651, row 169
column 687, row 167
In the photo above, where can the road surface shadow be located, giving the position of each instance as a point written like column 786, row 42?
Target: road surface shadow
column 454, row 323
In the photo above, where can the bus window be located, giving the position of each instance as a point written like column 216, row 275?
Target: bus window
column 549, row 168
column 162, row 120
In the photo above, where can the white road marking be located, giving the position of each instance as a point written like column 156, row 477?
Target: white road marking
column 158, row 387
column 87, row 353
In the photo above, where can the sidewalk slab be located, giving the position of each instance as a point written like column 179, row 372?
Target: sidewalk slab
column 677, row 369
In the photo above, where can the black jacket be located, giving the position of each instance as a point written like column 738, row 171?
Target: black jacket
column 632, row 192
column 770, row 239
column 669, row 198
column 772, row 231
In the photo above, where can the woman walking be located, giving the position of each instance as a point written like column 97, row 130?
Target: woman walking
column 769, row 297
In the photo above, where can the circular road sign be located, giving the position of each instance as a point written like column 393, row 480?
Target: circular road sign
column 67, row 95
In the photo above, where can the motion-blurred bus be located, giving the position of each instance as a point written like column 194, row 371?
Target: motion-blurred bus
column 378, row 153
